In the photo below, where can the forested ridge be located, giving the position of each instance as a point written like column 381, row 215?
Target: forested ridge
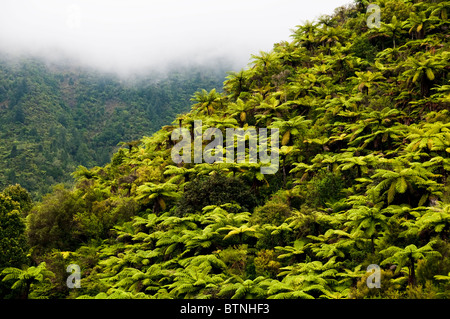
column 55, row 116
column 363, row 116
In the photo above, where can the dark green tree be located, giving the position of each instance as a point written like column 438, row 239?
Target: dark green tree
column 13, row 244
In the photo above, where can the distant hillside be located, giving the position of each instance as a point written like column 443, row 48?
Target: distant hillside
column 54, row 118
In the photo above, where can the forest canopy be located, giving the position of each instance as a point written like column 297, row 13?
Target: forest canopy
column 363, row 116
column 55, row 116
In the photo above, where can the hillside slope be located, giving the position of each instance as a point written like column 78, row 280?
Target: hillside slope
column 363, row 117
column 54, row 117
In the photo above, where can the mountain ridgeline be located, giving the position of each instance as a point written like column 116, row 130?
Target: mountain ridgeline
column 55, row 117
column 363, row 117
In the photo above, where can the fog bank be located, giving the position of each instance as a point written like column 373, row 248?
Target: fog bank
column 136, row 34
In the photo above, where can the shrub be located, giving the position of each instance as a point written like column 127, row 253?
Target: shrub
column 235, row 258
column 215, row 190
column 51, row 223
column 13, row 246
column 266, row 263
column 271, row 213
column 324, row 188
column 21, row 196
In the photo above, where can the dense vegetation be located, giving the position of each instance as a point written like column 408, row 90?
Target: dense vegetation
column 364, row 165
column 54, row 117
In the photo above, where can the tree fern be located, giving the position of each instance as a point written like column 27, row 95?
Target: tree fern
column 408, row 256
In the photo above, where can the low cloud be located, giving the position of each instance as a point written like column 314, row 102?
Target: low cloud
column 134, row 34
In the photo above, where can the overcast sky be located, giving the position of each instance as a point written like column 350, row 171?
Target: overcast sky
column 129, row 34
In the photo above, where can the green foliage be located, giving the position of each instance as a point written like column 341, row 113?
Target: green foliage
column 408, row 256
column 56, row 118
column 271, row 213
column 215, row 190
column 325, row 188
column 235, row 259
column 266, row 263
column 51, row 223
column 20, row 195
column 15, row 202
column 362, row 48
column 13, row 243
column 65, row 220
column 25, row 281
column 363, row 177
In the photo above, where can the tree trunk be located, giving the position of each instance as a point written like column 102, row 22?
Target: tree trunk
column 412, row 273
column 424, row 86
column 26, row 291
column 372, row 244
column 155, row 207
